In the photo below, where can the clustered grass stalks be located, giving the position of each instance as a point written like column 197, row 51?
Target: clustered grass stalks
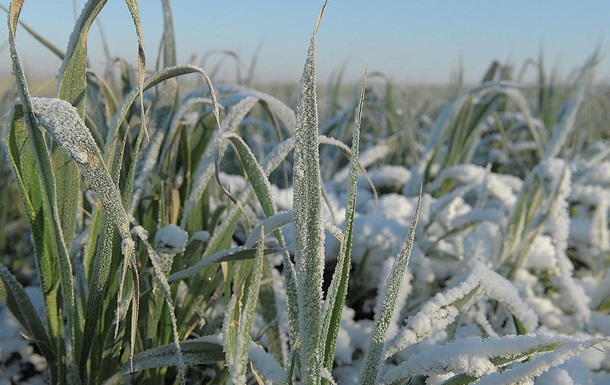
column 154, row 261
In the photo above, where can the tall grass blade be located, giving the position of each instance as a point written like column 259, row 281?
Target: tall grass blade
column 240, row 365
column 308, row 219
column 338, row 288
column 72, row 86
column 36, row 180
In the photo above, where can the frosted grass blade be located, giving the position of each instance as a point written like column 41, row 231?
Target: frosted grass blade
column 338, row 288
column 151, row 81
column 205, row 169
column 308, row 219
column 370, row 372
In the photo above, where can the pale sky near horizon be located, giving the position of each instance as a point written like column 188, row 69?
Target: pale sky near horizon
column 416, row 42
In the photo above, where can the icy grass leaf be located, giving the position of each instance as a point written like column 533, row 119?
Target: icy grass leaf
column 444, row 308
column 370, row 372
column 255, row 172
column 308, row 219
column 523, row 372
column 61, row 120
column 475, row 358
column 161, row 278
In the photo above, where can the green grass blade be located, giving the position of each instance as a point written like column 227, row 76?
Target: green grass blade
column 198, row 351
column 44, row 217
column 72, row 86
column 308, row 219
column 240, row 366
column 371, row 367
column 61, row 120
column 99, row 283
column 338, row 287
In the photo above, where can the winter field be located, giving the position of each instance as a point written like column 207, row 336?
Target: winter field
column 162, row 228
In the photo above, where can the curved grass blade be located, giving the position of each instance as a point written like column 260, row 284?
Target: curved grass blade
column 483, row 359
column 151, row 81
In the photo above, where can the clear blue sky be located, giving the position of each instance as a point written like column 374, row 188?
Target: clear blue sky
column 413, row 41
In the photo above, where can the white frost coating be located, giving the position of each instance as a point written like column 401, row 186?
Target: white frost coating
column 388, row 177
column 472, row 356
column 201, row 236
column 66, row 127
column 62, row 121
column 541, row 363
column 170, row 239
column 441, row 311
column 266, row 366
column 285, row 113
column 558, row 226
